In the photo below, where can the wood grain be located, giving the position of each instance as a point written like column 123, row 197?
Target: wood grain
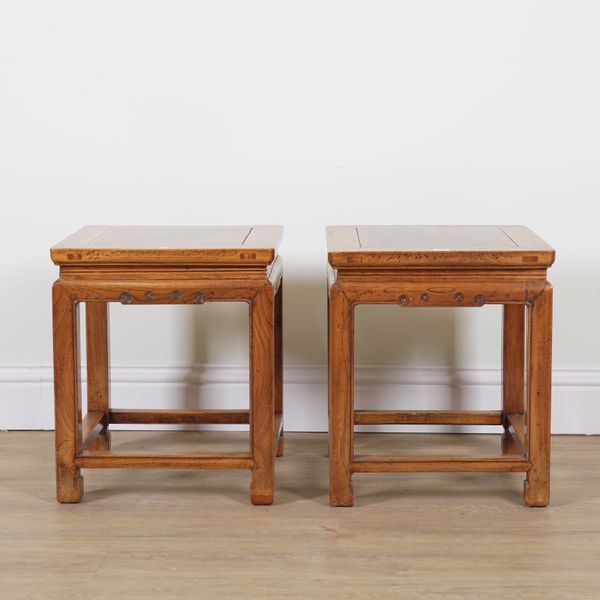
column 513, row 370
column 439, row 293
column 412, row 464
column 277, row 431
column 279, row 367
column 91, row 427
column 179, row 416
column 427, row 417
column 138, row 290
column 516, row 429
column 98, row 373
column 539, row 388
column 423, row 246
column 164, row 265
column 444, row 266
column 149, row 460
column 67, row 395
column 262, row 395
column 341, row 396
column 178, row 245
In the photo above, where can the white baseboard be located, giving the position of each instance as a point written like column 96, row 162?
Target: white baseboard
column 26, row 394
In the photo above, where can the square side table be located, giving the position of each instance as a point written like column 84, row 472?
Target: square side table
column 164, row 265
column 450, row 266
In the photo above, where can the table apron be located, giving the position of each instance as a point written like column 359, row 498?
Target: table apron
column 164, row 292
column 436, row 293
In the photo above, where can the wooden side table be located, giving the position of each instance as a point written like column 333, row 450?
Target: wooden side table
column 450, row 266
column 164, row 265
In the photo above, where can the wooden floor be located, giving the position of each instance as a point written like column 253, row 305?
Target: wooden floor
column 183, row 534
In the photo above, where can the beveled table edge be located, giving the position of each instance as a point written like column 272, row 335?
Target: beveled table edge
column 233, row 256
column 347, row 253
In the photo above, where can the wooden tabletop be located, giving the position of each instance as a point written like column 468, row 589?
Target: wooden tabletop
column 389, row 246
column 189, row 245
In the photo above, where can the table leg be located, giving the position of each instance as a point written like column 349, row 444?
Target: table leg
column 513, row 370
column 262, row 396
column 537, row 484
column 97, row 350
column 67, row 396
column 279, row 362
column 341, row 396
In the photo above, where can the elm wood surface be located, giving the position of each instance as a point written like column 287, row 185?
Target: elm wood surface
column 98, row 365
column 189, row 535
column 176, row 245
column 164, row 265
column 481, row 246
column 193, row 416
column 427, row 417
column 278, row 374
column 515, row 430
column 513, row 373
column 539, row 389
column 449, row 266
column 149, row 460
column 423, row 464
column 91, row 428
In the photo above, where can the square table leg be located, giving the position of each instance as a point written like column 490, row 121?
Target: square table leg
column 513, row 371
column 279, row 364
column 539, row 388
column 262, row 395
column 67, row 395
column 97, row 350
column 341, row 396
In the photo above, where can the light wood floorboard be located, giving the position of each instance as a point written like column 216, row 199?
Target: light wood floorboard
column 179, row 534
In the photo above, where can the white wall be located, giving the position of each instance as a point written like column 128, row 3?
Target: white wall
column 304, row 114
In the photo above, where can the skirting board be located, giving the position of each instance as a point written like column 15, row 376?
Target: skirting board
column 26, row 394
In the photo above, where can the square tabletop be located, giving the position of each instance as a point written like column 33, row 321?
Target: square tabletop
column 430, row 246
column 173, row 245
